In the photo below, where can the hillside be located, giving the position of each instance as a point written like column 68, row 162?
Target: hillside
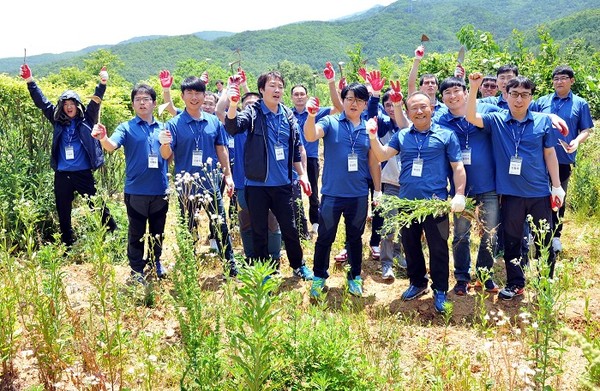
column 382, row 31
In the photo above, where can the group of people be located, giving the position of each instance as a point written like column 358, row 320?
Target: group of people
column 505, row 152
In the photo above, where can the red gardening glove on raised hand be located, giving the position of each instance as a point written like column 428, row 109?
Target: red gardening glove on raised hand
column 371, row 127
column 204, row 77
column 99, row 131
column 419, row 52
column 233, row 93
column 362, row 72
column 242, row 75
column 374, row 78
column 166, row 79
column 103, row 75
column 312, row 106
column 459, row 71
column 396, row 92
column 342, row 83
column 303, row 179
column 25, row 71
column 329, row 72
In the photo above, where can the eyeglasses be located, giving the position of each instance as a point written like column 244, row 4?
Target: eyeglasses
column 489, row 86
column 353, row 100
column 142, row 100
column 561, row 78
column 429, row 83
column 524, row 95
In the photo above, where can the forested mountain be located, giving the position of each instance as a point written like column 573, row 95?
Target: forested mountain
column 382, row 31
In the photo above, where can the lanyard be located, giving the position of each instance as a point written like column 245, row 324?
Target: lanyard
column 197, row 132
column 518, row 141
column 274, row 122
column 422, row 141
column 351, row 132
column 556, row 107
column 70, row 132
column 146, row 127
column 462, row 131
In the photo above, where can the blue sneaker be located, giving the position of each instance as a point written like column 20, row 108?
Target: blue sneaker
column 161, row 272
column 304, row 273
column 355, row 287
column 413, row 292
column 317, row 287
column 439, row 301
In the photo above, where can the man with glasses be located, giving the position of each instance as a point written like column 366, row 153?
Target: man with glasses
column 523, row 144
column 576, row 112
column 489, row 87
column 504, row 74
column 428, row 83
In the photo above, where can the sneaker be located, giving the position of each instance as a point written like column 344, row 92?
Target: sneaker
column 490, row 286
column 304, row 273
column 355, row 287
column 413, row 292
column 387, row 272
column 375, row 252
column 161, row 272
column 317, row 287
column 461, row 288
column 137, row 279
column 213, row 245
column 439, row 301
column 233, row 270
column 342, row 256
column 401, row 261
column 556, row 245
column 511, row 291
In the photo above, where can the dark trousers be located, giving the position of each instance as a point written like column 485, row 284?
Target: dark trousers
column 514, row 213
column 312, row 171
column 564, row 172
column 354, row 210
column 66, row 184
column 376, row 221
column 145, row 210
column 436, row 231
column 279, row 199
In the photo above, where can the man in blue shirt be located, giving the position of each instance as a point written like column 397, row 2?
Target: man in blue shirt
column 478, row 159
column 272, row 147
column 523, row 144
column 429, row 155
column 428, row 83
column 504, row 74
column 347, row 166
column 146, row 181
column 197, row 141
column 576, row 112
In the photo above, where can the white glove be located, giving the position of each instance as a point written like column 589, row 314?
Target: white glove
column 103, row 75
column 457, row 204
column 558, row 194
column 371, row 128
column 164, row 137
column 376, row 196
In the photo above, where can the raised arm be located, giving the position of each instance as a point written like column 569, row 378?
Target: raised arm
column 397, row 100
column 99, row 133
column 312, row 132
column 336, row 100
column 412, row 76
column 381, row 152
column 166, row 80
column 473, row 116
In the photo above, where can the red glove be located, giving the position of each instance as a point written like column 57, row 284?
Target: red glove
column 242, row 75
column 372, row 128
column 342, row 83
column 396, row 92
column 166, row 80
column 312, row 106
column 328, row 71
column 99, row 131
column 374, row 78
column 103, row 75
column 459, row 71
column 204, row 77
column 420, row 52
column 233, row 93
column 25, row 71
column 362, row 72
column 305, row 185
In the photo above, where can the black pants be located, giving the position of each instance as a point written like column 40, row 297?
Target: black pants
column 312, row 171
column 66, row 183
column 437, row 231
column 564, row 172
column 377, row 220
column 279, row 199
column 145, row 210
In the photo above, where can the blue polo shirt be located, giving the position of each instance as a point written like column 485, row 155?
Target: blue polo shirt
column 312, row 148
column 69, row 138
column 495, row 100
column 278, row 136
column 576, row 113
column 528, row 138
column 481, row 176
column 201, row 135
column 140, row 139
column 340, row 140
column 438, row 147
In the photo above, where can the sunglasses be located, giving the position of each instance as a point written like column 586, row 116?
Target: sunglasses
column 489, row 85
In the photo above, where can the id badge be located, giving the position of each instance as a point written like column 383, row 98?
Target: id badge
column 352, row 162
column 196, row 158
column 231, row 143
column 69, row 153
column 417, row 168
column 466, row 156
column 152, row 160
column 279, row 153
column 515, row 165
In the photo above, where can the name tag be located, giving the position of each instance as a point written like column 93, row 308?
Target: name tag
column 417, row 168
column 69, row 153
column 196, row 158
column 152, row 160
column 515, row 165
column 466, row 156
column 352, row 162
column 231, row 143
column 279, row 152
